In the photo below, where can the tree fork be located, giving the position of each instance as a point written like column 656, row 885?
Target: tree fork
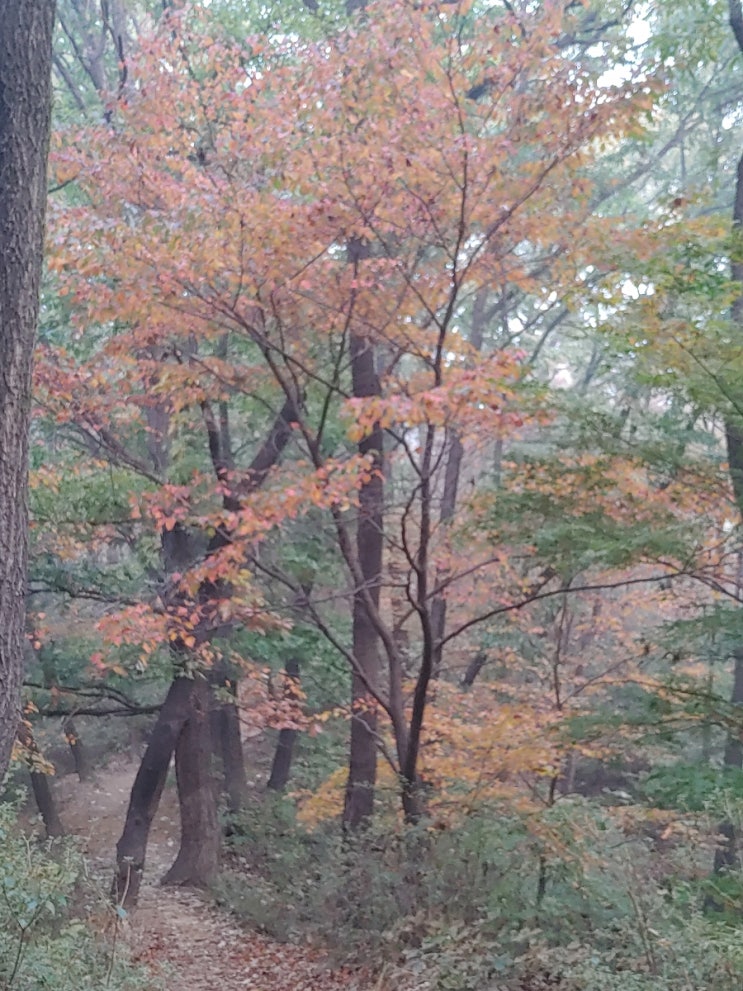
column 146, row 792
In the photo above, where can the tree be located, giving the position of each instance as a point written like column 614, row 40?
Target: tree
column 25, row 108
column 357, row 299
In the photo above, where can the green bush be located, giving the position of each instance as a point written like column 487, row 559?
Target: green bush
column 47, row 902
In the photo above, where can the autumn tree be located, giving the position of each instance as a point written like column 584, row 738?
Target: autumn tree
column 352, row 257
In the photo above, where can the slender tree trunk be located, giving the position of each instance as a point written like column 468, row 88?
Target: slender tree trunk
column 25, row 103
column 146, row 791
column 446, row 515
column 448, row 505
column 197, row 862
column 726, row 855
column 282, row 758
column 362, row 765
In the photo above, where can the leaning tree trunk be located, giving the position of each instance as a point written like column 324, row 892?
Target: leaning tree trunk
column 25, row 102
column 146, row 791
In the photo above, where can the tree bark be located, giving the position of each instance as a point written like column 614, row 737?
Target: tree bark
column 197, row 862
column 282, row 758
column 227, row 742
column 25, row 104
column 362, row 764
column 40, row 786
column 146, row 791
column 78, row 750
column 726, row 856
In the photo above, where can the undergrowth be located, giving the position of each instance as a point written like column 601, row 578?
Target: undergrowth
column 578, row 897
column 50, row 916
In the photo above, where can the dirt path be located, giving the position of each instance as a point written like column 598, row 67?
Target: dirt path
column 187, row 942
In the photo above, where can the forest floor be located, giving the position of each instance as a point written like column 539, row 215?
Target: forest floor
column 187, row 942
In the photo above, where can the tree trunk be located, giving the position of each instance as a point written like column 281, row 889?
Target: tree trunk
column 46, row 804
column 146, row 791
column 727, row 854
column 197, row 862
column 78, row 750
column 362, row 764
column 446, row 515
column 282, row 758
column 227, row 742
column 40, row 786
column 25, row 102
column 474, row 667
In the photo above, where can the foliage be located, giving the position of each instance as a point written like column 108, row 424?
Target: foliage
column 49, row 910
column 460, row 906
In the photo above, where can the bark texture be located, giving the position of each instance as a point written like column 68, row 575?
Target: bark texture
column 727, row 854
column 197, row 862
column 25, row 101
column 362, row 766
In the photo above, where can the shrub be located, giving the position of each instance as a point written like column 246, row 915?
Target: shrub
column 47, row 907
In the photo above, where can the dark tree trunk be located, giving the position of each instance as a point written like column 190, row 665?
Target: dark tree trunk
column 196, row 857
column 362, row 765
column 727, row 854
column 474, row 667
column 227, row 742
column 46, row 804
column 282, row 758
column 197, row 862
column 78, row 750
column 146, row 791
column 40, row 786
column 25, row 102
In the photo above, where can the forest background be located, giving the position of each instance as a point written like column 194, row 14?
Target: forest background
column 387, row 435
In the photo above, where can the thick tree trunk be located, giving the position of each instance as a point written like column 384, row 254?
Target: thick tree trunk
column 25, row 102
column 362, row 765
column 46, row 804
column 201, row 864
column 146, row 791
column 282, row 758
column 197, row 862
